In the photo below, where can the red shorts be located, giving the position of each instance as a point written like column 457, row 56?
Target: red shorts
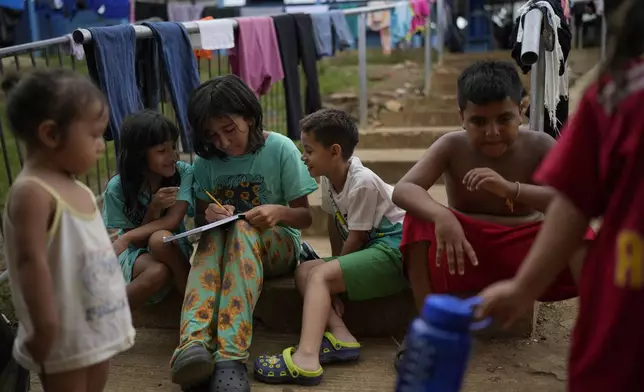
column 500, row 250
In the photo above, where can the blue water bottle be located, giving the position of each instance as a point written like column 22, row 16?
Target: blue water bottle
column 438, row 345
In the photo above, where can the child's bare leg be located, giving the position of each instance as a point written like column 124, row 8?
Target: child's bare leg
column 416, row 263
column 170, row 255
column 71, row 381
column 148, row 277
column 97, row 377
column 323, row 282
column 577, row 262
column 335, row 324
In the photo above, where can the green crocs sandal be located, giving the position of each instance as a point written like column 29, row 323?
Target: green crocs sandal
column 333, row 350
column 280, row 369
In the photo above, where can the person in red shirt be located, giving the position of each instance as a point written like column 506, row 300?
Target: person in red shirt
column 598, row 170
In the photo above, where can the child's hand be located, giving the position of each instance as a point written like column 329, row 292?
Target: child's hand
column 506, row 301
column 450, row 240
column 265, row 216
column 165, row 198
column 489, row 180
column 120, row 245
column 40, row 343
column 215, row 213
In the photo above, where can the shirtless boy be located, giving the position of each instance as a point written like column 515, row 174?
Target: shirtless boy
column 494, row 210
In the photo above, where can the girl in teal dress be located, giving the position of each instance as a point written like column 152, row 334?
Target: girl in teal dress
column 147, row 201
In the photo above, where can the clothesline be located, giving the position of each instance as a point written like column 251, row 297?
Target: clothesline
column 83, row 36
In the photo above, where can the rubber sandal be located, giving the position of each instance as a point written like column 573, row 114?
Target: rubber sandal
column 280, row 369
column 192, row 367
column 333, row 350
column 230, row 376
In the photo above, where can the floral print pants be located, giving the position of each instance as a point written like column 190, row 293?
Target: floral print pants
column 225, row 281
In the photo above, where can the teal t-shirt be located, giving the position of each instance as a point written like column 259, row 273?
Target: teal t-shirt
column 275, row 174
column 114, row 201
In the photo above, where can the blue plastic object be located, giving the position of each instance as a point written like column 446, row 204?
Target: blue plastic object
column 438, row 345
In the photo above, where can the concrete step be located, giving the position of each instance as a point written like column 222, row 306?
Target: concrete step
column 390, row 164
column 402, row 137
column 424, row 118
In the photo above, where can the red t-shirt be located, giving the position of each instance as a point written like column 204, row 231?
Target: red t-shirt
column 599, row 165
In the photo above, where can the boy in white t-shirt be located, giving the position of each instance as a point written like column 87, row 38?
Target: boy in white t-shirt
column 365, row 229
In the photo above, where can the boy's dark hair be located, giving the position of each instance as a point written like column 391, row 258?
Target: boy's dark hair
column 489, row 81
column 140, row 132
column 59, row 95
column 332, row 126
column 221, row 97
column 625, row 43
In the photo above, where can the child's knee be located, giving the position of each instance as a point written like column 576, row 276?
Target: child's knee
column 158, row 274
column 328, row 274
column 155, row 243
column 304, row 269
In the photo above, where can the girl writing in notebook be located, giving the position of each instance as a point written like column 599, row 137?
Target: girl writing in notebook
column 248, row 170
column 147, row 201
column 65, row 283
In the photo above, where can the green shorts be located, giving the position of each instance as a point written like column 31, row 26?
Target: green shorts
column 373, row 272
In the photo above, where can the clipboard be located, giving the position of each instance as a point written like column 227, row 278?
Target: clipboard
column 203, row 228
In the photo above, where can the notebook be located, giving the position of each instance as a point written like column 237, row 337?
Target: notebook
column 203, row 228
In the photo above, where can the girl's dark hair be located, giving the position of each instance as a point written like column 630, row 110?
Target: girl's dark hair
column 221, row 97
column 625, row 43
column 58, row 95
column 141, row 131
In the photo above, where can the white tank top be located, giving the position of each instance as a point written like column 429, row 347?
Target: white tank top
column 94, row 314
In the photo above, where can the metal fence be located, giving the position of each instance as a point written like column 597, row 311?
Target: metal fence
column 56, row 53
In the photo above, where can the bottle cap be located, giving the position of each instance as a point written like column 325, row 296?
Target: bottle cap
column 448, row 312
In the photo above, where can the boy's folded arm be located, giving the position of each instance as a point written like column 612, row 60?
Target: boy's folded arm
column 355, row 241
column 410, row 193
column 334, row 236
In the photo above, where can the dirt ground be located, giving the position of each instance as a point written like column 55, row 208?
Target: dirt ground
column 529, row 365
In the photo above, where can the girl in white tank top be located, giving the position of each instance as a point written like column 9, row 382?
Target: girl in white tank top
column 66, row 283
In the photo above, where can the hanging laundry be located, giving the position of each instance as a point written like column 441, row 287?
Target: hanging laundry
column 297, row 44
column 332, row 33
column 179, row 70
column 148, row 73
column 400, row 23
column 352, row 20
column 255, row 57
column 381, row 21
column 185, row 11
column 213, row 35
column 420, row 13
column 556, row 83
column 110, row 62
